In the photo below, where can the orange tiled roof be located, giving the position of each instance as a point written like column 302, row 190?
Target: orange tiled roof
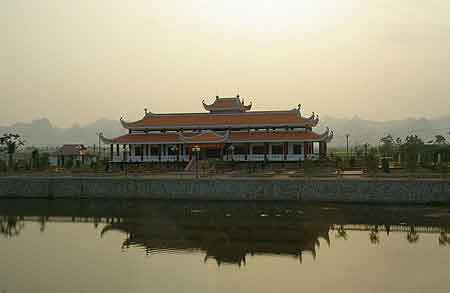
column 233, row 104
column 225, row 103
column 147, row 138
column 198, row 120
column 72, row 150
column 204, row 137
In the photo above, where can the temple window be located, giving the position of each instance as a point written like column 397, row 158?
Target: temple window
column 171, row 150
column 138, row 151
column 297, row 149
column 154, row 150
column 277, row 149
column 240, row 150
column 258, row 150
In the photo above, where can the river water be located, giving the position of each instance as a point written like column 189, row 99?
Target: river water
column 153, row 246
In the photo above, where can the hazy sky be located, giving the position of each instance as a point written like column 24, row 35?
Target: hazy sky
column 78, row 61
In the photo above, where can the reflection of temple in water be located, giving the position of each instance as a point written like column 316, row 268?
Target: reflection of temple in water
column 230, row 232
column 227, row 241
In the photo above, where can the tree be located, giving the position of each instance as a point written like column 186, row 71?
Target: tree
column 10, row 143
column 44, row 161
column 439, row 139
column 387, row 145
column 372, row 161
column 412, row 147
column 35, row 159
column 397, row 148
column 359, row 151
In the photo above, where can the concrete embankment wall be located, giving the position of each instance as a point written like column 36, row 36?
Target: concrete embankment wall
column 309, row 190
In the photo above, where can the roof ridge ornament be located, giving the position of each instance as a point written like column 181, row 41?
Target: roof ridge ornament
column 327, row 135
column 147, row 113
column 299, row 110
column 227, row 105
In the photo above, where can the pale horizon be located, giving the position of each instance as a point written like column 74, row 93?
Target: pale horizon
column 80, row 61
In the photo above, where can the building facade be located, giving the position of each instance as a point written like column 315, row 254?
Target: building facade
column 228, row 130
column 76, row 154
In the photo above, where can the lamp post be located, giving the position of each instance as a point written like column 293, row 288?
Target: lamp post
column 196, row 151
column 347, row 136
column 231, row 149
column 100, row 134
column 174, row 149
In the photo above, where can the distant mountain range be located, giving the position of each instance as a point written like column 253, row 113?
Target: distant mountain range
column 41, row 132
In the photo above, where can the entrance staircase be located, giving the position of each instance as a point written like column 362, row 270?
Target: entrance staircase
column 190, row 166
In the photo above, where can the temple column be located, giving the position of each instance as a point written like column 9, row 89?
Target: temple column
column 124, row 147
column 322, row 149
column 266, row 150
column 160, row 151
column 111, row 151
column 117, row 150
column 129, row 153
column 248, row 151
column 285, row 150
column 142, row 152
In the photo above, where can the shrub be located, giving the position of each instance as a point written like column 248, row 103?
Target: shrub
column 308, row 166
column 385, row 165
column 443, row 168
column 44, row 161
column 372, row 162
column 68, row 163
column 411, row 162
column 3, row 166
column 352, row 161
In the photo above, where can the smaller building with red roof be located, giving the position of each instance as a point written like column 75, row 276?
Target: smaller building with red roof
column 228, row 130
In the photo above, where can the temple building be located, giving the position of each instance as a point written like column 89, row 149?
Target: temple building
column 228, row 130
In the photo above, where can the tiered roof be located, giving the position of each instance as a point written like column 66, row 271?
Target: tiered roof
column 227, row 105
column 228, row 137
column 226, row 115
column 255, row 119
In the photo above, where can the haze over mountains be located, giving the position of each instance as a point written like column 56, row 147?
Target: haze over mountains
column 41, row 132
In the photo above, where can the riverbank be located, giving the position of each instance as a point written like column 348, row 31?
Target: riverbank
column 349, row 190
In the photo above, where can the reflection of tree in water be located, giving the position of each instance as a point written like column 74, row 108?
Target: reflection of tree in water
column 43, row 223
column 374, row 235
column 444, row 238
column 11, row 226
column 341, row 233
column 412, row 236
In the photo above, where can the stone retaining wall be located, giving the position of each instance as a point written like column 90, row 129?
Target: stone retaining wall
column 312, row 190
